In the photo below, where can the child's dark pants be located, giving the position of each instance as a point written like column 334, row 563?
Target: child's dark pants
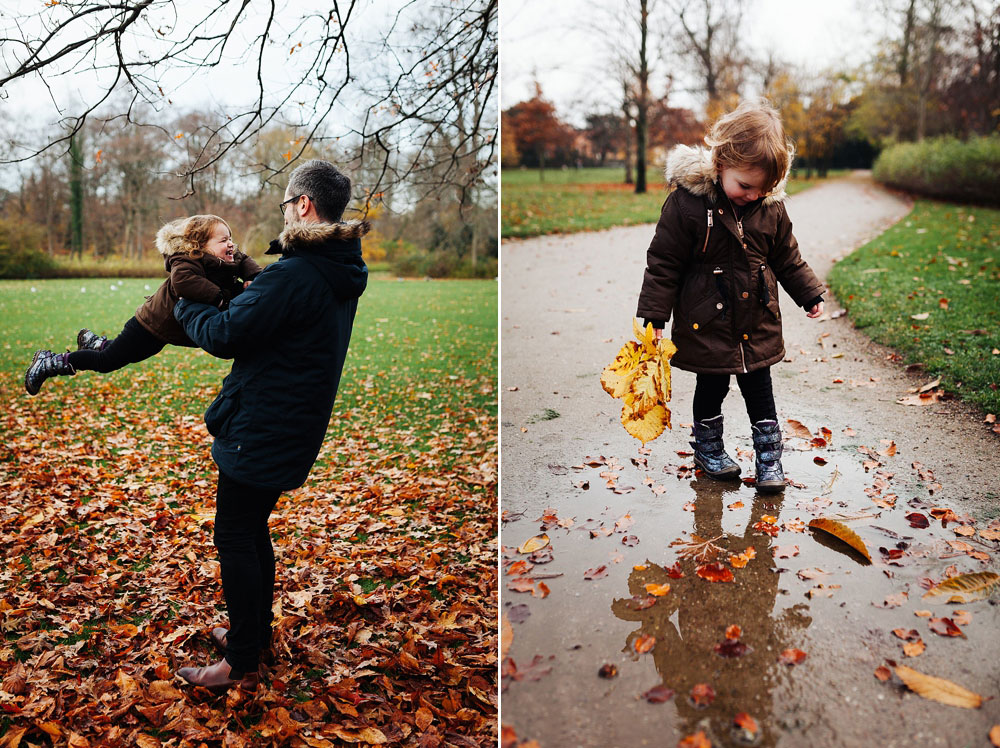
column 711, row 390
column 247, row 562
column 134, row 343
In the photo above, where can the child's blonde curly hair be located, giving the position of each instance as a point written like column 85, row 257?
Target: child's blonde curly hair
column 187, row 236
column 752, row 136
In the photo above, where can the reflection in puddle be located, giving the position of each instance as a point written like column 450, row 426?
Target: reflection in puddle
column 692, row 619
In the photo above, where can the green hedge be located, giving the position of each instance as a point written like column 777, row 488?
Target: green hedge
column 945, row 168
column 19, row 253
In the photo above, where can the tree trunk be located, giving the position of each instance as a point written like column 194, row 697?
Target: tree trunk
column 541, row 164
column 75, row 198
column 641, row 124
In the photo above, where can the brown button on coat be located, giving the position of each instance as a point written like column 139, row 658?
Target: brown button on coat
column 721, row 288
column 207, row 279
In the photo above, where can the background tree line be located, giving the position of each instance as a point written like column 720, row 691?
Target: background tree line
column 936, row 72
column 404, row 101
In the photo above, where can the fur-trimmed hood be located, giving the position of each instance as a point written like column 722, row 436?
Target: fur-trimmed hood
column 692, row 168
column 300, row 235
column 170, row 239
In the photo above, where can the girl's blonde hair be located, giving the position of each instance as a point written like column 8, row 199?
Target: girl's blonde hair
column 188, row 236
column 752, row 136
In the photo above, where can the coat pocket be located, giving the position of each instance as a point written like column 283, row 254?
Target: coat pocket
column 704, row 301
column 220, row 414
column 767, row 291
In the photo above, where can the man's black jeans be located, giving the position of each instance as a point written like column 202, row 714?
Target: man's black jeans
column 247, row 561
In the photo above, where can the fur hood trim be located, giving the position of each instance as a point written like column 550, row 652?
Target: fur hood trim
column 298, row 234
column 691, row 168
column 170, row 239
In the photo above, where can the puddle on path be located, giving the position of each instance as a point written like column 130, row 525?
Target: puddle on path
column 802, row 589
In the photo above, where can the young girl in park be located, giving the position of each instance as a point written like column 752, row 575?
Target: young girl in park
column 204, row 265
column 722, row 245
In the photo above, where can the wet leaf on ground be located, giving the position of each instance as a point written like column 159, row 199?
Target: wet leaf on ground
column 792, row 657
column 966, row 587
column 644, row 643
column 702, row 695
column 742, row 559
column 640, row 602
column 733, row 632
column 938, row 689
column 746, row 723
column 657, row 590
column 533, row 544
column 883, row 673
column 519, row 613
column 608, row 671
column 731, row 648
column 914, row 649
column 715, row 573
column 658, row 694
column 674, row 571
column 918, row 520
column 630, row 540
column 842, row 532
column 698, row 548
column 697, row 740
column 945, row 627
column 907, row 634
column 597, row 573
column 785, row 551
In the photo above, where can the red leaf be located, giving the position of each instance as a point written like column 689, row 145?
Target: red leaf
column 599, row 573
column 791, row 657
column 702, row 695
column 658, row 694
column 731, row 648
column 918, row 520
column 945, row 627
column 715, row 573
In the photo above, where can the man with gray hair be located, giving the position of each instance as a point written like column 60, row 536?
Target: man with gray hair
column 287, row 335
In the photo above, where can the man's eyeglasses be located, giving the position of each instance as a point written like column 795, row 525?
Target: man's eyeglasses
column 281, row 205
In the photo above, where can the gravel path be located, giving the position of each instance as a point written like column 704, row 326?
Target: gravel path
column 566, row 305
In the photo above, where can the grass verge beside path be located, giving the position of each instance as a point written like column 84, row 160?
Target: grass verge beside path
column 571, row 200
column 929, row 288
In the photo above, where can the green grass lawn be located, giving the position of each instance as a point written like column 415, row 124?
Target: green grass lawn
column 930, row 288
column 419, row 352
column 592, row 199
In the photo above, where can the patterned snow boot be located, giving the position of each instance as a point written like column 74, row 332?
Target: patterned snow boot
column 767, row 448
column 90, row 341
column 46, row 364
column 709, row 452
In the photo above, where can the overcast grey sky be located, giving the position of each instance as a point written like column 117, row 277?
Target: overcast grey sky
column 555, row 41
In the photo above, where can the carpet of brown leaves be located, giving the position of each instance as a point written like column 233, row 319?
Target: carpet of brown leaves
column 386, row 591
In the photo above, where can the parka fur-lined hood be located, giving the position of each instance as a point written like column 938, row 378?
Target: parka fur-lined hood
column 692, row 168
column 301, row 234
column 170, row 239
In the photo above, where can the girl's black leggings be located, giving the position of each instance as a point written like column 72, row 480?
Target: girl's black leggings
column 134, row 343
column 246, row 559
column 711, row 390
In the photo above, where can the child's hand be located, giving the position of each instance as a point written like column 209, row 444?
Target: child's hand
column 657, row 333
column 815, row 311
column 246, row 285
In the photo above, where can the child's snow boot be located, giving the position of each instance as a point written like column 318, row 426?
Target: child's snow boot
column 90, row 341
column 767, row 446
column 46, row 364
column 709, row 452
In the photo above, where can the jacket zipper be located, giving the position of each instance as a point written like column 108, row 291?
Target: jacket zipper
column 709, row 231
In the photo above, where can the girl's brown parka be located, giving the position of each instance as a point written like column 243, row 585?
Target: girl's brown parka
column 205, row 278
column 721, row 288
